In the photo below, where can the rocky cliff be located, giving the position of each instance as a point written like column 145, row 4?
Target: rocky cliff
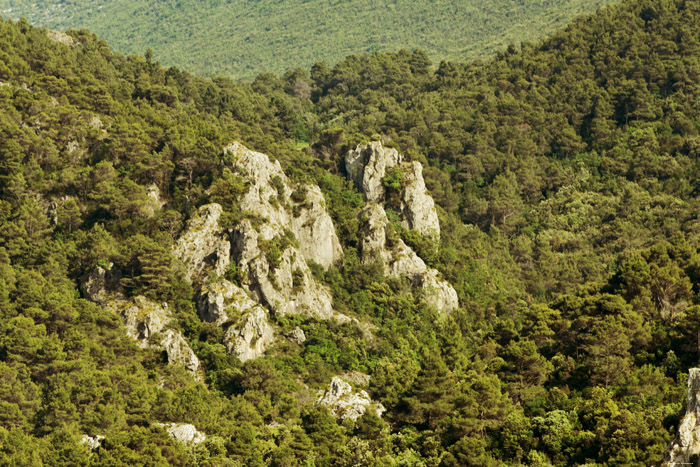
column 368, row 166
column 146, row 322
column 286, row 226
column 685, row 448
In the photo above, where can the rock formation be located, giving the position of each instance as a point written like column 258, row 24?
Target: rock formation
column 300, row 209
column 344, row 403
column 369, row 164
column 379, row 244
column 203, row 244
column 685, row 448
column 184, row 433
column 251, row 336
column 367, row 167
column 92, row 442
column 277, row 273
column 287, row 226
column 144, row 320
column 297, row 336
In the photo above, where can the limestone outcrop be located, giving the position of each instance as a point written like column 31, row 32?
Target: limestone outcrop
column 685, row 448
column 297, row 336
column 92, row 442
column 344, row 403
column 367, row 167
column 249, row 334
column 185, row 433
column 298, row 208
column 378, row 243
column 287, row 226
column 277, row 273
column 146, row 321
column 369, row 164
column 203, row 244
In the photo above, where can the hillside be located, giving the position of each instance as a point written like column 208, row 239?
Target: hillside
column 240, row 39
column 383, row 262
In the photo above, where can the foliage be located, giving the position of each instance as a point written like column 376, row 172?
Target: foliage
column 565, row 174
column 240, row 39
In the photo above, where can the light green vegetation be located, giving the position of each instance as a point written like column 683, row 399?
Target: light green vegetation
column 566, row 177
column 241, row 38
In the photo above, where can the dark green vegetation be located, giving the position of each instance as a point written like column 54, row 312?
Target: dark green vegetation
column 567, row 178
column 241, row 38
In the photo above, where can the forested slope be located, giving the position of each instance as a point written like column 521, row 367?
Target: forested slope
column 565, row 175
column 240, row 39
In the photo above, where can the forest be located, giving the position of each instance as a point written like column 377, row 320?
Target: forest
column 240, row 39
column 565, row 174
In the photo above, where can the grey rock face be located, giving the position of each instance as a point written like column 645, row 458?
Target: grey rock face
column 251, row 336
column 344, row 403
column 91, row 442
column 223, row 301
column 418, row 208
column 399, row 260
column 298, row 208
column 687, row 442
column 367, row 166
column 184, row 433
column 297, row 336
column 203, row 244
column 287, row 287
column 143, row 319
column 291, row 226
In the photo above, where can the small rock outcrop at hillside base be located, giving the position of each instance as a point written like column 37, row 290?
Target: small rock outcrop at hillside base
column 369, row 164
column 142, row 318
column 184, row 433
column 685, row 448
column 92, row 442
column 345, row 403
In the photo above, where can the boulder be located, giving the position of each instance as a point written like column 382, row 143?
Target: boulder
column 203, row 245
column 92, row 442
column 685, row 448
column 251, row 336
column 184, row 433
column 297, row 336
column 344, row 403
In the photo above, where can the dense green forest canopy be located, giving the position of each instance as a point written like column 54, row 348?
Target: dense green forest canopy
column 239, row 38
column 566, row 176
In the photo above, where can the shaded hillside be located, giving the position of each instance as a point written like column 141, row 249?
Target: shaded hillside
column 241, row 39
column 565, row 179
